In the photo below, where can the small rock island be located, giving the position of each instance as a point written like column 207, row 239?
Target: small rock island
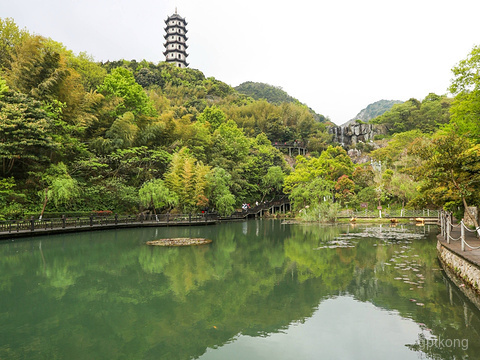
column 179, row 242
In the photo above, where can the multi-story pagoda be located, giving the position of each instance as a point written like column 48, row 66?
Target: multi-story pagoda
column 176, row 45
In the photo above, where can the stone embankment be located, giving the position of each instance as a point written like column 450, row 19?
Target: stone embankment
column 464, row 268
column 461, row 266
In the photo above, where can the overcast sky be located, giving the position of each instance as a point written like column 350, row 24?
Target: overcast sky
column 336, row 56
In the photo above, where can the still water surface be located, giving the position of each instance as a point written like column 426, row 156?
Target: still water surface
column 261, row 290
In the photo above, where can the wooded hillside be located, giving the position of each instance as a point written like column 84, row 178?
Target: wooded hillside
column 127, row 136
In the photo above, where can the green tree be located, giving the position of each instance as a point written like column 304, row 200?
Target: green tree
column 63, row 190
column 344, row 190
column 156, row 194
column 219, row 192
column 403, row 188
column 335, row 162
column 272, row 182
column 11, row 199
column 368, row 195
column 465, row 85
column 121, row 83
column 60, row 187
column 25, row 135
column 426, row 116
column 229, row 150
column 230, row 143
column 261, row 158
column 36, row 69
column 197, row 138
column 332, row 163
column 10, row 37
column 123, row 131
column 137, row 164
column 3, row 87
column 311, row 193
column 395, row 154
column 450, row 170
column 317, row 176
column 212, row 116
column 91, row 72
column 363, row 176
column 186, row 177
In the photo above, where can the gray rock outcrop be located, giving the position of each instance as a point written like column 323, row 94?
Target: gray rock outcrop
column 352, row 134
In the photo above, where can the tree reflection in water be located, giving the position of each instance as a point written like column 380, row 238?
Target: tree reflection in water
column 107, row 295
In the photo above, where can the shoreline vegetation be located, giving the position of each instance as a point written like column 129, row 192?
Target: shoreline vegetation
column 129, row 137
column 358, row 221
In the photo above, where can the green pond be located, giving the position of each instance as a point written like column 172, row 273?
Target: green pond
column 261, row 290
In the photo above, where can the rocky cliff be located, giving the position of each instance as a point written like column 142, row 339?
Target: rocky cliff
column 353, row 133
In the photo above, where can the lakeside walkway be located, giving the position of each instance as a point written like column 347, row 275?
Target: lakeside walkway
column 29, row 228
column 13, row 229
column 455, row 245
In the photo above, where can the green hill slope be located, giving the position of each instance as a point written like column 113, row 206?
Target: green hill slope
column 273, row 94
column 373, row 110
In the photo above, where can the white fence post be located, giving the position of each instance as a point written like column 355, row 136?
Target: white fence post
column 448, row 231
column 442, row 225
column 462, row 231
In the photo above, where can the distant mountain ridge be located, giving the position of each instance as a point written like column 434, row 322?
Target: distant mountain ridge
column 373, row 110
column 272, row 94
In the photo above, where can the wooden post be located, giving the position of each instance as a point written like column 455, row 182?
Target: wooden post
column 32, row 224
column 462, row 231
column 63, row 221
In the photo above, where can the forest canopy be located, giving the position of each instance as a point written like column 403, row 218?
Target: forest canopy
column 79, row 135
column 127, row 136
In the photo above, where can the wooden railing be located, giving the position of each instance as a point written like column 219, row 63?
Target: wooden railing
column 37, row 226
column 265, row 206
column 401, row 213
column 33, row 225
